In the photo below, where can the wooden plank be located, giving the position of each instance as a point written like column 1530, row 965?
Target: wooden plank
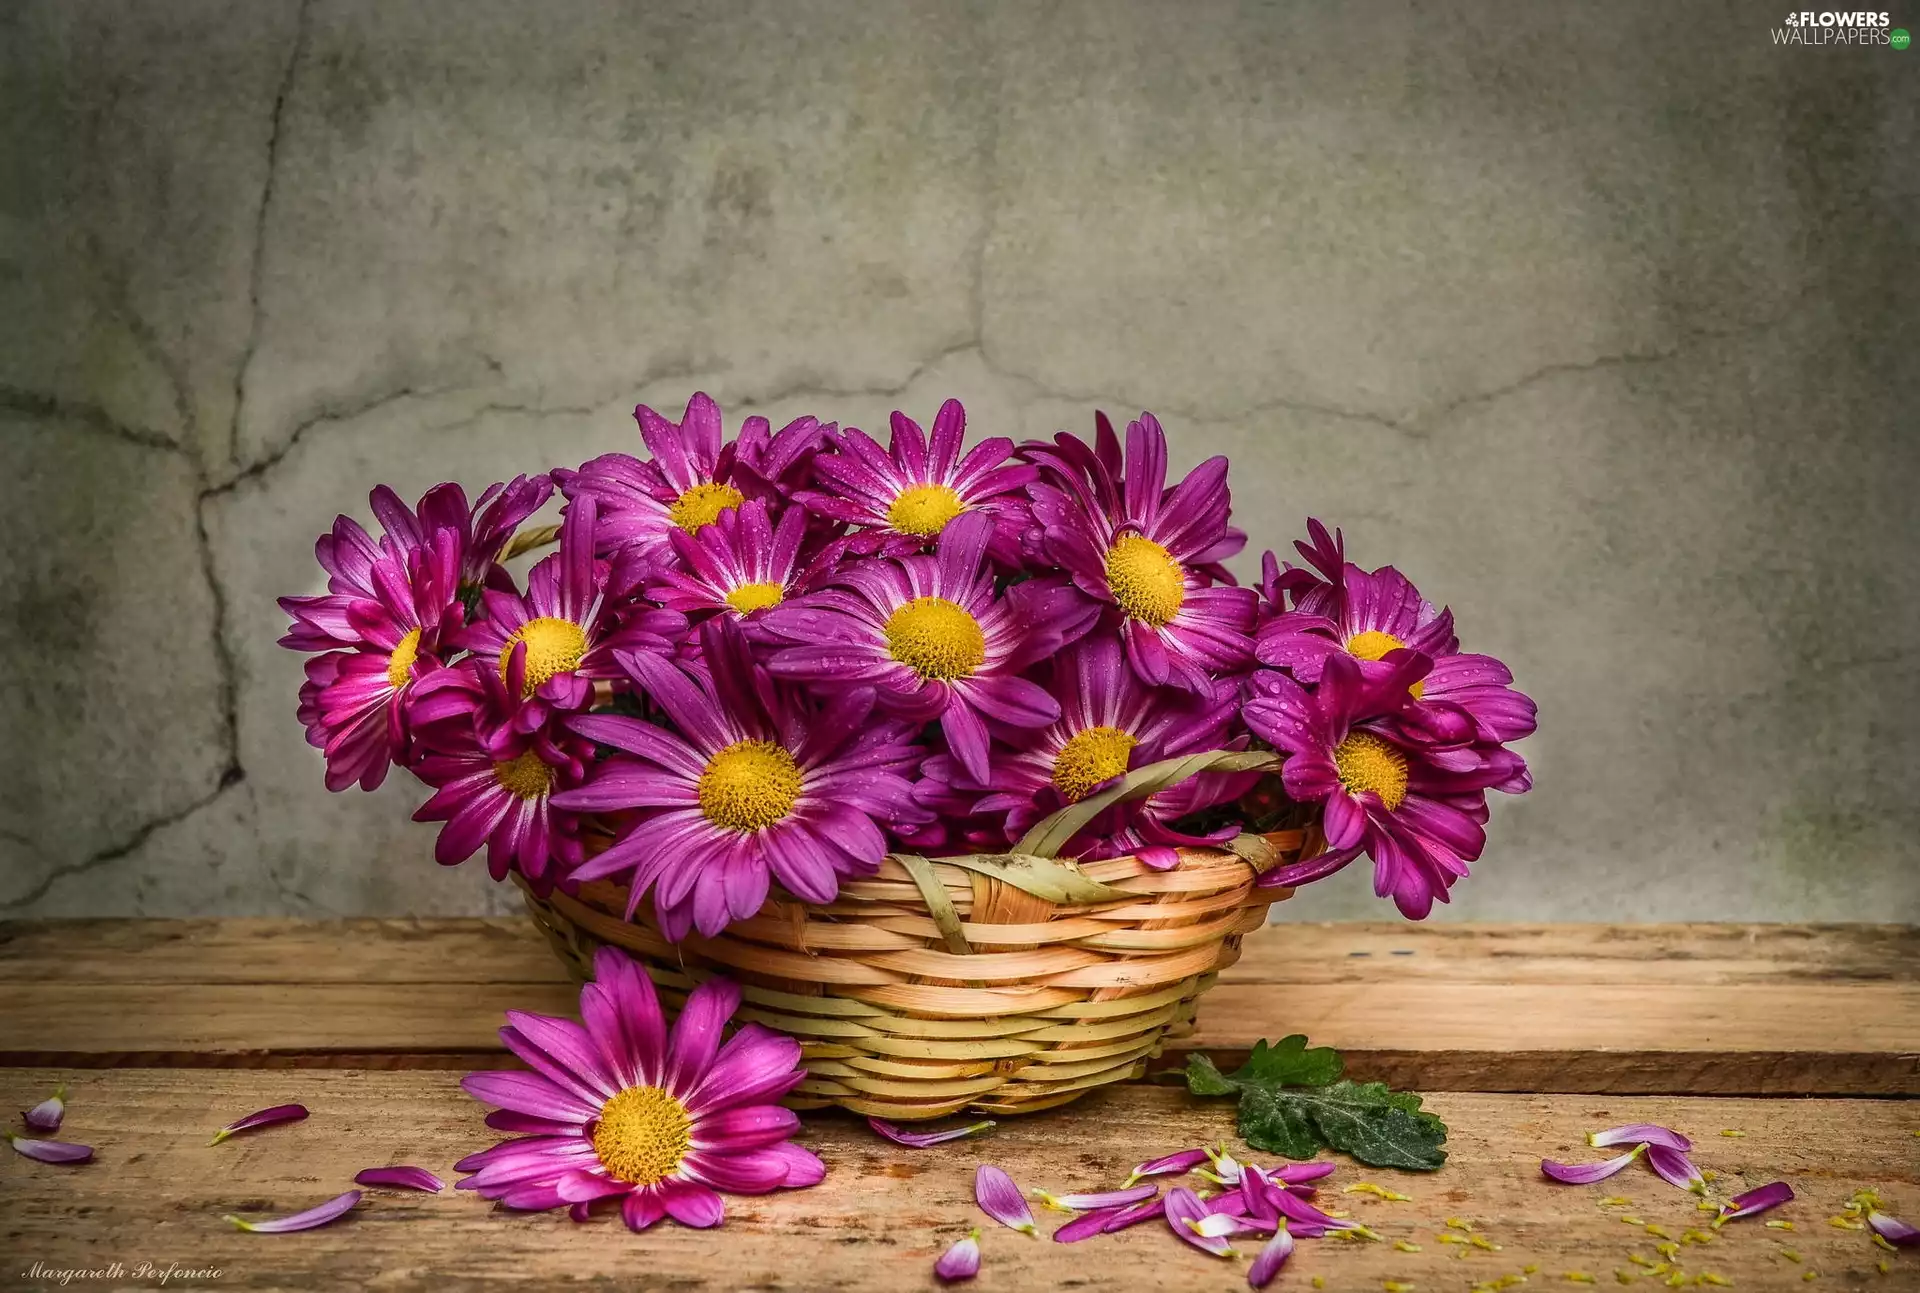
column 1736, row 1010
column 157, row 1192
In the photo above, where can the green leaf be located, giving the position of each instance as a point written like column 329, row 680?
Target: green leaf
column 1058, row 880
column 1289, row 1062
column 1204, row 1079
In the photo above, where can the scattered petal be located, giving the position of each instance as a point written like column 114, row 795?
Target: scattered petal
column 1893, row 1230
column 402, row 1178
column 1000, row 1199
column 1271, row 1258
column 1639, row 1133
column 962, row 1261
column 1219, row 1225
column 1226, row 1168
column 1135, row 1215
column 1675, row 1168
column 1745, row 1205
column 331, row 1210
column 922, row 1139
column 1086, row 1225
column 1104, row 1199
column 264, row 1118
column 46, row 1115
column 1172, row 1165
column 1184, row 1212
column 1588, row 1173
column 1299, row 1173
column 51, row 1151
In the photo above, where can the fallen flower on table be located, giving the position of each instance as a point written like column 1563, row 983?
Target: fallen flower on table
column 1271, row 1257
column 1754, row 1201
column 923, row 1139
column 1588, row 1173
column 1001, row 1199
column 962, row 1261
column 1171, row 1165
column 622, row 1106
column 1639, row 1133
column 1675, row 1168
column 46, row 1115
column 50, row 1151
column 401, row 1178
column 264, row 1118
column 1088, row 1202
column 1892, row 1229
column 1184, row 1212
column 331, row 1210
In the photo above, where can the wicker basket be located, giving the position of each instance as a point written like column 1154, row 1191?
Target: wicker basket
column 939, row 985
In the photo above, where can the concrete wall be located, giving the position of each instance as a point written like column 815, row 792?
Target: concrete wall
column 1598, row 319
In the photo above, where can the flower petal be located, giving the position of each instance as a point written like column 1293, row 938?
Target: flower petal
column 1639, row 1133
column 1135, row 1215
column 1296, row 1173
column 1588, row 1173
column 1000, row 1199
column 1270, row 1259
column 264, row 1118
column 46, row 1115
column 692, row 1204
column 922, row 1139
column 962, row 1261
column 1184, row 1161
column 1086, row 1225
column 51, row 1151
column 1746, row 1205
column 331, row 1210
column 1184, row 1213
column 1675, row 1168
column 1104, row 1199
column 1893, row 1230
column 642, row 1209
column 401, row 1178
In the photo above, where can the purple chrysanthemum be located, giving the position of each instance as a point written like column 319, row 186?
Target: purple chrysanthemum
column 619, row 1106
column 693, row 477
column 354, row 702
column 1133, row 544
column 754, row 784
column 547, row 647
column 502, row 799
column 741, row 565
column 1109, row 722
column 930, row 636
column 1365, row 615
column 904, row 495
column 1384, row 796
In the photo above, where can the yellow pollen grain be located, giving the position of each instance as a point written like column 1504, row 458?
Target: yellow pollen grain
column 748, row 598
column 1379, row 1191
column 1451, row 1239
column 1846, row 1223
column 1397, row 1286
column 400, row 663
column 642, row 1135
column 1780, row 1225
column 1658, row 1232
column 1790, row 1254
column 1366, row 762
column 749, row 786
column 703, row 504
column 528, row 776
column 936, row 639
column 1407, row 1246
column 1881, row 1241
column 1696, row 1237
column 1146, row 581
column 1483, row 1243
column 1579, row 1277
column 1668, row 1250
column 1616, row 1201
column 924, row 510
column 1735, row 1135
column 1622, row 1277
column 1089, row 757
column 554, row 646
column 1459, row 1223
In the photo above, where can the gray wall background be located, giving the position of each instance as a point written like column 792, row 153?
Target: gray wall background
column 1597, row 319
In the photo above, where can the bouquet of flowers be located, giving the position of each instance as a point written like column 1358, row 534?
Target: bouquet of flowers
column 754, row 670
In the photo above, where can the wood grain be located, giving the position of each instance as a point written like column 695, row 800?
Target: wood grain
column 1754, row 1009
column 156, row 1193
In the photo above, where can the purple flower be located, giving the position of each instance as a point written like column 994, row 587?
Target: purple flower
column 907, row 493
column 1420, row 822
column 691, row 479
column 930, row 637
column 1145, row 550
column 754, row 784
column 741, row 565
column 503, row 798
column 620, row 1106
column 1109, row 722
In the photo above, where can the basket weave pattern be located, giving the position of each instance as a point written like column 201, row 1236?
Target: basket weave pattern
column 903, row 1013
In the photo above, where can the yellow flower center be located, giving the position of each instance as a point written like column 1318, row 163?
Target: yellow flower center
column 936, row 639
column 749, row 786
column 1089, row 758
column 553, row 646
column 748, row 598
column 1148, row 584
column 642, row 1135
column 400, row 663
column 1365, row 762
column 1373, row 645
column 924, row 510
column 527, row 776
column 703, row 504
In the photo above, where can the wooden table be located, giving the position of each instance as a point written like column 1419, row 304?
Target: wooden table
column 1805, row 1040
